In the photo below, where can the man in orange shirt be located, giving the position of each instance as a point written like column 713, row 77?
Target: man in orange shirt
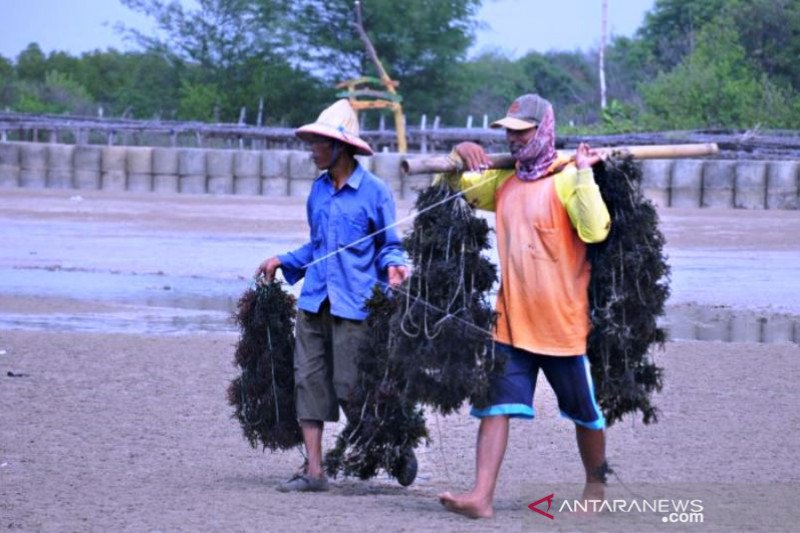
column 547, row 209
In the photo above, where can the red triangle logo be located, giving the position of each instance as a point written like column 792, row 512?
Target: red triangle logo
column 549, row 500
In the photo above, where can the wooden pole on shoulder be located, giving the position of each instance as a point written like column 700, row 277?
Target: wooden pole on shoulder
column 436, row 164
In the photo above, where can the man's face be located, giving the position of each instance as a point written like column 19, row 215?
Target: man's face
column 518, row 139
column 321, row 151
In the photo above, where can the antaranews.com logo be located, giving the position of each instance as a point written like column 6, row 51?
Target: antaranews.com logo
column 670, row 511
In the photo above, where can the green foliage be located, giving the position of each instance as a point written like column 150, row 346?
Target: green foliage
column 693, row 63
column 58, row 94
column 419, row 43
column 670, row 29
column 716, row 86
column 230, row 54
column 6, row 70
column 31, row 64
column 489, row 83
column 769, row 31
column 198, row 101
column 629, row 62
column 619, row 117
column 150, row 87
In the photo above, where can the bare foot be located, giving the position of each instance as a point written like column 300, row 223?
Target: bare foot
column 467, row 504
column 593, row 496
column 594, row 491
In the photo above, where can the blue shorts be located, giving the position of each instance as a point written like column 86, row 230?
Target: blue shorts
column 511, row 393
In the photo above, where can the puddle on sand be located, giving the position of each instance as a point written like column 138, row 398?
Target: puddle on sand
column 159, row 304
column 684, row 322
column 150, row 321
column 151, row 290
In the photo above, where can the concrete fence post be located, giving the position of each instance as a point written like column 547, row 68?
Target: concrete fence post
column 302, row 173
column 247, row 172
column 165, row 170
column 87, row 161
column 9, row 165
column 686, row 180
column 59, row 166
column 745, row 327
column 33, row 166
column 387, row 167
column 713, row 325
column 656, row 180
column 750, row 185
column 718, row 183
column 114, row 165
column 219, row 164
column 779, row 328
column 275, row 172
column 139, row 166
column 783, row 182
column 192, row 171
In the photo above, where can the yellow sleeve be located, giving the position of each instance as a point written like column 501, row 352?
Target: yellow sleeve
column 478, row 187
column 580, row 195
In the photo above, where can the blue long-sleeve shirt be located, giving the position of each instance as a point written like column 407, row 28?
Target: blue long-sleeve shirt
column 363, row 205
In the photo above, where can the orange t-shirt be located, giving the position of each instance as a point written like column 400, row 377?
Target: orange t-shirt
column 542, row 225
column 543, row 302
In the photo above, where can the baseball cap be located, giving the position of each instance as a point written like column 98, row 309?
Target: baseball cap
column 524, row 113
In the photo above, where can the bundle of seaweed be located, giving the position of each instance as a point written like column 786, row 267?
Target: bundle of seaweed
column 383, row 423
column 429, row 341
column 445, row 321
column 627, row 292
column 263, row 395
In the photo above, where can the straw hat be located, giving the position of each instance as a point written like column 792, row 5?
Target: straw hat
column 337, row 122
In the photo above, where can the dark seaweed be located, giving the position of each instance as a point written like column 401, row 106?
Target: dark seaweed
column 263, row 395
column 627, row 292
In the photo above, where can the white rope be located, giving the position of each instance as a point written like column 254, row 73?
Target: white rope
column 396, row 223
column 435, row 308
column 446, row 314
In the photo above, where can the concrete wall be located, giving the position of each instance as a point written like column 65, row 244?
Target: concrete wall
column 722, row 183
column 668, row 183
column 178, row 170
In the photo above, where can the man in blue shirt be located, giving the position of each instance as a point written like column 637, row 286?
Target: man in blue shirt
column 353, row 246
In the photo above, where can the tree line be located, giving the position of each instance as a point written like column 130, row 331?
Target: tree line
column 692, row 64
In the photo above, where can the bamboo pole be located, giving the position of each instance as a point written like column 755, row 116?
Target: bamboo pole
column 432, row 165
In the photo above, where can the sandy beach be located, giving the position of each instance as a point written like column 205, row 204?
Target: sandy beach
column 116, row 350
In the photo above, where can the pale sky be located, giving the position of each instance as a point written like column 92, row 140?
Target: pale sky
column 513, row 26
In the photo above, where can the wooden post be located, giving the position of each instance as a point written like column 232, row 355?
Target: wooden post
column 602, row 54
column 423, row 138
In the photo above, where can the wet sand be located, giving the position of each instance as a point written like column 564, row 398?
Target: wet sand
column 115, row 431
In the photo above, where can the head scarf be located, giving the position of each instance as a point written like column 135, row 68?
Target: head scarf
column 535, row 158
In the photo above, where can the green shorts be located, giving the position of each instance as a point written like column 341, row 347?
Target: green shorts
column 325, row 358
